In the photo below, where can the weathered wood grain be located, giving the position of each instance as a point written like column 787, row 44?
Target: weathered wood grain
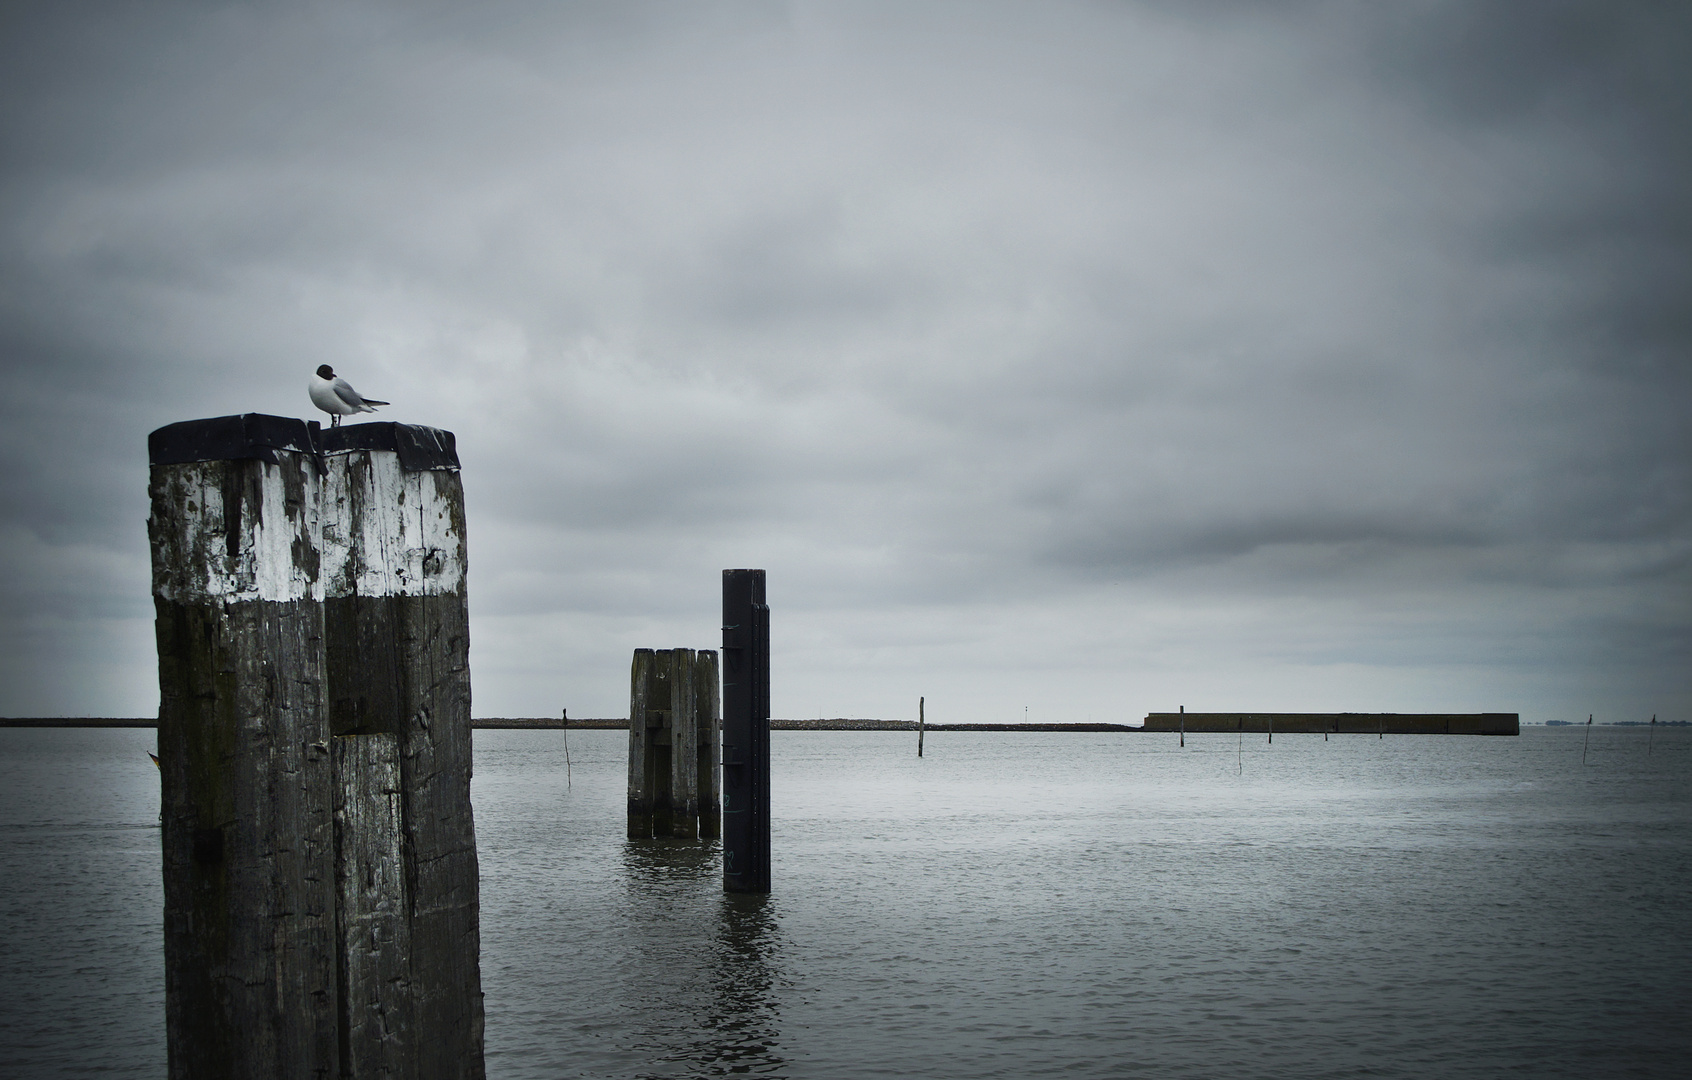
column 684, row 747
column 708, row 720
column 245, row 776
column 373, row 925
column 398, row 640
column 321, row 907
column 674, row 743
column 640, row 766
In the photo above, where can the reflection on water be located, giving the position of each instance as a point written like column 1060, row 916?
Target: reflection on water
column 711, row 1007
column 742, row 1020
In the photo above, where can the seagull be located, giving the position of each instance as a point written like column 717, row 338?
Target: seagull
column 335, row 396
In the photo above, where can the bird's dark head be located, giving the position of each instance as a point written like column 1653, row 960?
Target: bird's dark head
column 324, row 371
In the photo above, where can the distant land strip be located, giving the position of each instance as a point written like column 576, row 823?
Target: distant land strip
column 543, row 723
column 1290, row 723
column 77, row 721
column 778, row 724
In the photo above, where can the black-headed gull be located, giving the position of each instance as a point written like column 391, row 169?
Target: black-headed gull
column 335, row 396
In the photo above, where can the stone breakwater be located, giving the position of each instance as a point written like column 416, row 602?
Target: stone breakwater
column 1341, row 723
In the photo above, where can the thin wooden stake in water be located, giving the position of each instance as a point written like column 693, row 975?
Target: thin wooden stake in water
column 564, row 714
column 921, row 724
column 1183, row 725
column 1239, row 750
column 1588, row 741
column 1271, row 729
column 1651, row 738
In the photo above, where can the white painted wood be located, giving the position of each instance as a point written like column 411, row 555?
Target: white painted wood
column 388, row 532
column 367, row 528
column 276, row 537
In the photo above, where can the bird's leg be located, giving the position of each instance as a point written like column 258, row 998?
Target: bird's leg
column 335, row 420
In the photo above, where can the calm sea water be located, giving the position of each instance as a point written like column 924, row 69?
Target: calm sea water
column 1011, row 905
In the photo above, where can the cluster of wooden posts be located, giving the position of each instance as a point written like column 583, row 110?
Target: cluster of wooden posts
column 685, row 756
column 320, row 874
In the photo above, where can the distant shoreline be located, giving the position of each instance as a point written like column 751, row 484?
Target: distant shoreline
column 548, row 723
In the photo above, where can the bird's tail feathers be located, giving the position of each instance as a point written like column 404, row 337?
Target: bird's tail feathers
column 373, row 401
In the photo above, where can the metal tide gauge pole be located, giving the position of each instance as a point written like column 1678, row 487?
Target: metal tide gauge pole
column 746, row 733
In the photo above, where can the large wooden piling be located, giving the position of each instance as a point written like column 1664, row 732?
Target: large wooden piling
column 314, row 740
column 746, row 733
column 675, row 735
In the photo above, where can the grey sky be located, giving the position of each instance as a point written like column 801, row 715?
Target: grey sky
column 1094, row 357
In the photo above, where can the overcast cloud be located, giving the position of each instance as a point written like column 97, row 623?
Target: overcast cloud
column 1088, row 358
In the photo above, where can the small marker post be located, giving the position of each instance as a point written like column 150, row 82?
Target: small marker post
column 564, row 726
column 921, row 725
column 1588, row 741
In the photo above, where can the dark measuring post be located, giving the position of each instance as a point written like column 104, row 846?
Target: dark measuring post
column 320, row 877
column 746, row 733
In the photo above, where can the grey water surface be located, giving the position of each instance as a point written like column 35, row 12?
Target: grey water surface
column 1010, row 905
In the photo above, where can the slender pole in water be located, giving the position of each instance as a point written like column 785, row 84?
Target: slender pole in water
column 1382, row 722
column 1651, row 738
column 1183, row 725
column 1239, row 749
column 922, row 723
column 1271, row 729
column 1588, row 741
column 746, row 733
column 565, row 714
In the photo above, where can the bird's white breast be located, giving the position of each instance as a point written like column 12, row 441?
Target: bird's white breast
column 324, row 397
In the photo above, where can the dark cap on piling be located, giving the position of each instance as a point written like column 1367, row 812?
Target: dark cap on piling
column 259, row 436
